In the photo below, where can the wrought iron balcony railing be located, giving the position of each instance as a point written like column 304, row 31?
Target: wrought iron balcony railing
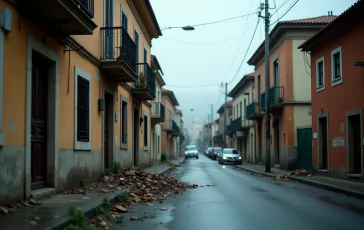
column 87, row 6
column 117, row 45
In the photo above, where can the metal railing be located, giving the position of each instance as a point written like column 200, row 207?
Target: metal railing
column 87, row 6
column 252, row 109
column 171, row 125
column 276, row 95
column 116, row 44
column 157, row 109
column 146, row 79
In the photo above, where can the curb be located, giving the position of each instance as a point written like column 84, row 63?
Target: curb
column 332, row 188
column 89, row 211
column 254, row 171
column 164, row 170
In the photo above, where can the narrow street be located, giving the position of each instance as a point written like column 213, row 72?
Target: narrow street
column 239, row 200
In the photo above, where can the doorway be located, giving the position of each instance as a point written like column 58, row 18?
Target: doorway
column 354, row 144
column 259, row 143
column 40, row 70
column 276, row 142
column 323, row 143
column 136, row 136
column 252, row 152
column 108, row 131
column 304, row 148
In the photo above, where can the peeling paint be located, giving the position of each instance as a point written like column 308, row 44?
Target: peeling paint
column 97, row 76
column 10, row 125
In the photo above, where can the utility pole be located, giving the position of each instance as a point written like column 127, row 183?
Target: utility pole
column 211, row 116
column 267, row 86
column 225, row 115
column 208, row 130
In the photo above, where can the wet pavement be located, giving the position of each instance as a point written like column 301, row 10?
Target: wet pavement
column 239, row 200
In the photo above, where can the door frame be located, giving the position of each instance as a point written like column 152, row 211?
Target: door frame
column 136, row 141
column 322, row 115
column 348, row 114
column 52, row 113
column 108, row 89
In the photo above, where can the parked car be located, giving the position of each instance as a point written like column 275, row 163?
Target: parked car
column 230, row 155
column 215, row 152
column 191, row 151
column 208, row 151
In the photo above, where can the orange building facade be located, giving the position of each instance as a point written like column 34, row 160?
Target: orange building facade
column 290, row 95
column 76, row 95
column 337, row 72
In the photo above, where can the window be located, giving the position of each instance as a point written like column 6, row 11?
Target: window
column 276, row 73
column 336, row 66
column 136, row 40
column 259, row 97
column 241, row 109
column 145, row 131
column 82, row 110
column 124, row 124
column 244, row 108
column 124, row 20
column 320, row 74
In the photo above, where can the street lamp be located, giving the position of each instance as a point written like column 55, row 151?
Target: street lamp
column 186, row 28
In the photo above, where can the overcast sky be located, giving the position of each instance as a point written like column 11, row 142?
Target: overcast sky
column 211, row 54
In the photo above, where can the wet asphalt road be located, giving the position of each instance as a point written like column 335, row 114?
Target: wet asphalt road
column 244, row 201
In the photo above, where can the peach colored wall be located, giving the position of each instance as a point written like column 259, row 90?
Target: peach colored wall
column 285, row 69
column 350, row 92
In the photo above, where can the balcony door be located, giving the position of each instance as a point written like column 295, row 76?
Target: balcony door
column 109, row 34
column 145, row 60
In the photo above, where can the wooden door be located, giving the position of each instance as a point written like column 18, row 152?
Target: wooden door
column 39, row 122
column 304, row 148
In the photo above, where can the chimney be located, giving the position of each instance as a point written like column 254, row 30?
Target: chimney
column 330, row 13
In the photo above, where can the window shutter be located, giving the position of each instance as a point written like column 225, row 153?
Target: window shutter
column 83, row 106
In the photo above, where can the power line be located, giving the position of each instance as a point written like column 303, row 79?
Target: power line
column 285, row 12
column 192, row 86
column 223, row 20
column 202, row 43
column 284, row 3
column 242, row 62
column 241, row 40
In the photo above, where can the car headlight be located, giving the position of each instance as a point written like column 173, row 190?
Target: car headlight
column 224, row 158
column 239, row 158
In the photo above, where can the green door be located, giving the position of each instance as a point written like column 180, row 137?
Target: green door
column 304, row 148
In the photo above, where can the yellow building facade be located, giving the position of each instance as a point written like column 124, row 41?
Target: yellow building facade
column 75, row 89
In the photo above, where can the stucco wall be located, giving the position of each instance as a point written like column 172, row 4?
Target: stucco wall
column 343, row 98
column 301, row 74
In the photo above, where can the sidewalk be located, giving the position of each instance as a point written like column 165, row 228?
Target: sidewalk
column 53, row 212
column 349, row 188
column 178, row 162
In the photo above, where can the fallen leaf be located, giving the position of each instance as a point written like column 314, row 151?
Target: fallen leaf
column 121, row 208
column 33, row 222
column 149, row 204
column 133, row 218
column 3, row 210
column 164, row 209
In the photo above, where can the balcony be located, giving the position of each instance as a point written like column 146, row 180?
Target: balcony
column 171, row 127
column 253, row 111
column 238, row 124
column 118, row 55
column 181, row 138
column 157, row 112
column 144, row 88
column 60, row 17
column 276, row 95
column 218, row 138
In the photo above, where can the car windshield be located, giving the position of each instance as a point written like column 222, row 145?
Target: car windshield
column 217, row 150
column 230, row 151
column 189, row 148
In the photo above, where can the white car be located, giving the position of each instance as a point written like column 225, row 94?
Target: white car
column 230, row 155
column 191, row 151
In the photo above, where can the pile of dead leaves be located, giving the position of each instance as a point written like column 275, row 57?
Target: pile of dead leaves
column 18, row 206
column 298, row 172
column 144, row 187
